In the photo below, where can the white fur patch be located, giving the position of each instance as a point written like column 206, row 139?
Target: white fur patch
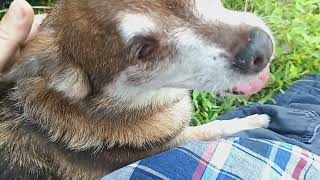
column 208, row 10
column 213, row 10
column 199, row 65
column 72, row 83
column 135, row 24
column 142, row 96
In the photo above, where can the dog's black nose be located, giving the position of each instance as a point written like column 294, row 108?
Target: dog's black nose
column 256, row 56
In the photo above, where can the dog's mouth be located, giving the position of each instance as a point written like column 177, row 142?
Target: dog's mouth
column 253, row 86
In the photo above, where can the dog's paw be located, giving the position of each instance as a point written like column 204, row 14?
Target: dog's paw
column 222, row 129
column 258, row 121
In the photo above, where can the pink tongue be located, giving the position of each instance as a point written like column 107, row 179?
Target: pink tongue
column 256, row 85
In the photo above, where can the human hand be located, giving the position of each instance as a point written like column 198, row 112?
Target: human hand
column 17, row 26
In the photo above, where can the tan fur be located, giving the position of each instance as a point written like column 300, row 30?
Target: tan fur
column 58, row 121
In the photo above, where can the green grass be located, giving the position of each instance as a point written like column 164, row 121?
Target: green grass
column 296, row 25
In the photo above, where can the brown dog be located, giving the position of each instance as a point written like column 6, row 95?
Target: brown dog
column 105, row 83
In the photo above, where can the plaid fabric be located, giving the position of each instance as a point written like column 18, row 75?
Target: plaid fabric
column 227, row 159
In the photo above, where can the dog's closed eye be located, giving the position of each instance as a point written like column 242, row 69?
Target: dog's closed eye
column 144, row 47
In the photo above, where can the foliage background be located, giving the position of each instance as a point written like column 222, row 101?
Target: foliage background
column 296, row 25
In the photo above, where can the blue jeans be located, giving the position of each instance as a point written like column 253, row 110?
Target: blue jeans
column 295, row 116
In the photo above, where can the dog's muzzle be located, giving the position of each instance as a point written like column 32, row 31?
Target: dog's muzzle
column 257, row 55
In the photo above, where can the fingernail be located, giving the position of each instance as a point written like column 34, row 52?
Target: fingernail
column 16, row 9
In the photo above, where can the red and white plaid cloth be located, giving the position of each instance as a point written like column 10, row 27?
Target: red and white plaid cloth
column 235, row 158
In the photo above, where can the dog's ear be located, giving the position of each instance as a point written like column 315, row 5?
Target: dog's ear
column 66, row 79
column 26, row 69
column 71, row 81
column 61, row 77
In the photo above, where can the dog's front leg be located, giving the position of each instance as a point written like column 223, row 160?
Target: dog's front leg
column 220, row 129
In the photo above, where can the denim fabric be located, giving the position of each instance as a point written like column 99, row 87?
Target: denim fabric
column 295, row 116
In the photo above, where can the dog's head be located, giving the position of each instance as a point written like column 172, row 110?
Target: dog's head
column 126, row 48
